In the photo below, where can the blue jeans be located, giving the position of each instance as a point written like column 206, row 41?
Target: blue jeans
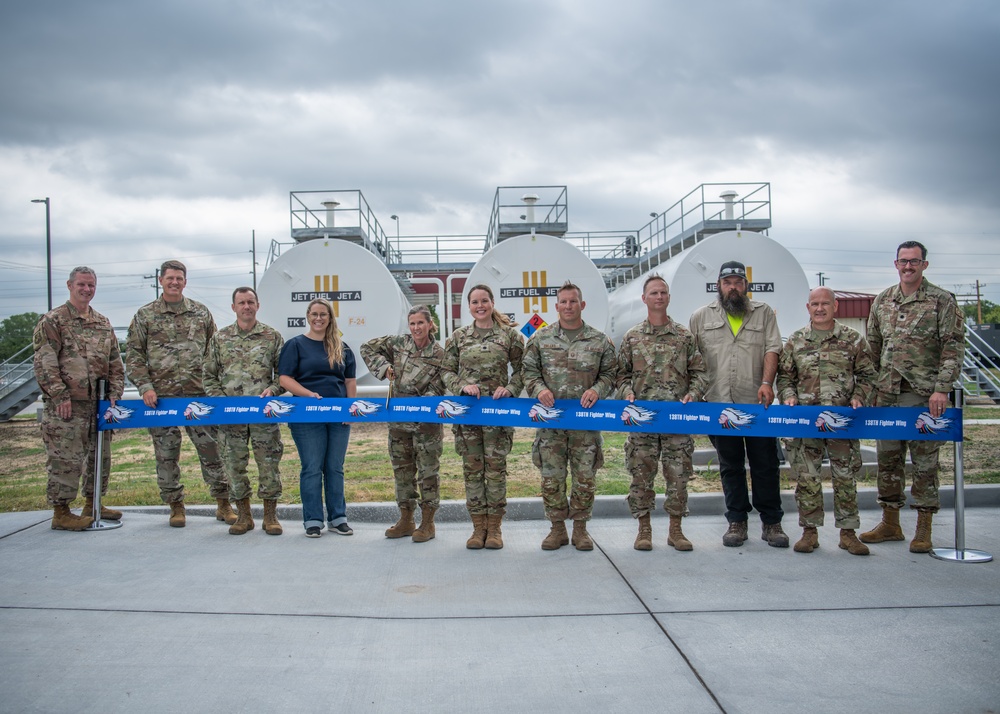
column 322, row 448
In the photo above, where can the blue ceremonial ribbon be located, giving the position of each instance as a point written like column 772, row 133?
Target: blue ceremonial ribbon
column 806, row 422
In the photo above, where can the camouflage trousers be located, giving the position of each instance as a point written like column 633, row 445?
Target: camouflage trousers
column 484, row 452
column 582, row 452
column 267, row 451
column 642, row 452
column 415, row 455
column 892, row 463
column 806, row 459
column 70, row 450
column 167, row 448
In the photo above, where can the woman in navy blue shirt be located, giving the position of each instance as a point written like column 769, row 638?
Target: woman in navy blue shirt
column 318, row 364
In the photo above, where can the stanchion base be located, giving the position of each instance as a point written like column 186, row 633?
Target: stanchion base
column 103, row 526
column 961, row 556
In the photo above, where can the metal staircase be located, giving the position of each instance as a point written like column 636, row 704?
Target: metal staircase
column 18, row 388
column 980, row 368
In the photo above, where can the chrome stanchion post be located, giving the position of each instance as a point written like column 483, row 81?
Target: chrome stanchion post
column 960, row 554
column 98, row 524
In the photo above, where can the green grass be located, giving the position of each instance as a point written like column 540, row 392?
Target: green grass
column 979, row 412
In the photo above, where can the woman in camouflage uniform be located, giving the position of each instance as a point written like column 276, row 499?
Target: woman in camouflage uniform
column 478, row 359
column 414, row 364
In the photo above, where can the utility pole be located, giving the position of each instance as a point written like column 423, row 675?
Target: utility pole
column 822, row 280
column 979, row 305
column 253, row 251
column 156, row 281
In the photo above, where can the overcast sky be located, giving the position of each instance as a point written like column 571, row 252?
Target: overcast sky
column 173, row 129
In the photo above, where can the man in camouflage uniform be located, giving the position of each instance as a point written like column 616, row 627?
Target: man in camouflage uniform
column 740, row 341
column 569, row 360
column 242, row 360
column 659, row 361
column 74, row 347
column 165, row 357
column 826, row 363
column 917, row 337
column 414, row 364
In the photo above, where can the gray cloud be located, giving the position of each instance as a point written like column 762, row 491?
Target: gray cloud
column 209, row 113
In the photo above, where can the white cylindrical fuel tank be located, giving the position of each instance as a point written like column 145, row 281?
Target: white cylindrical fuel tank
column 775, row 277
column 524, row 273
column 366, row 298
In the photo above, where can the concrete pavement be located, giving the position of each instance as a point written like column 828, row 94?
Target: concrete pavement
column 154, row 619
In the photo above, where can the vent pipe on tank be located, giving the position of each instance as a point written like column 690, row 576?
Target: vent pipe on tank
column 530, row 200
column 728, row 197
column 331, row 207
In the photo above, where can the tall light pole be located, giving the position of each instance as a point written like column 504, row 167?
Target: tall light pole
column 394, row 217
column 48, row 245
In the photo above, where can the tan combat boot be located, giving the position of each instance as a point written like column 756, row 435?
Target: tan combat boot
column 921, row 542
column 644, row 538
column 849, row 542
column 177, row 514
column 676, row 535
column 478, row 538
column 224, row 511
column 244, row 521
column 107, row 514
column 494, row 536
column 810, row 540
column 426, row 530
column 888, row 529
column 557, row 536
column 404, row 526
column 271, row 525
column 64, row 519
column 581, row 538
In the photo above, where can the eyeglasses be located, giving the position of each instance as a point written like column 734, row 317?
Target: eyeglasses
column 318, row 315
column 732, row 271
column 903, row 262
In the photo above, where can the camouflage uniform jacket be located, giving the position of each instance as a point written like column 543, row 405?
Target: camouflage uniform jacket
column 569, row 368
column 72, row 351
column 483, row 360
column 661, row 363
column 416, row 372
column 243, row 363
column 166, row 347
column 831, row 369
column 920, row 339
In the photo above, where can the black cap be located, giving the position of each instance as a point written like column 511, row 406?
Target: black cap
column 733, row 268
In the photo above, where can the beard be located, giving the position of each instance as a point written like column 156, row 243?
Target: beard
column 734, row 302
